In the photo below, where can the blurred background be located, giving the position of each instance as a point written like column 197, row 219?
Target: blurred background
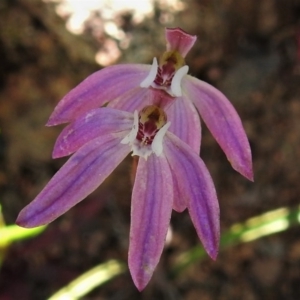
column 249, row 49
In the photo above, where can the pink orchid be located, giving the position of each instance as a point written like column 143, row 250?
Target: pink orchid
column 169, row 174
column 130, row 87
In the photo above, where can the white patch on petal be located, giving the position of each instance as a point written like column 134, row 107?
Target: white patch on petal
column 140, row 149
column 88, row 116
column 151, row 76
column 157, row 144
column 176, row 81
column 133, row 133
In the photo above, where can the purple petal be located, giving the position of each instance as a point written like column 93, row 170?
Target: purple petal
column 223, row 122
column 161, row 98
column 179, row 40
column 138, row 98
column 98, row 89
column 151, row 208
column 179, row 201
column 97, row 122
column 80, row 176
column 185, row 122
column 134, row 99
column 197, row 187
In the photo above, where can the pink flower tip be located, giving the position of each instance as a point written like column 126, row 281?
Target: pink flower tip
column 178, row 39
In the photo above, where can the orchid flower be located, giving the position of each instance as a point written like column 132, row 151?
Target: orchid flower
column 130, row 87
column 170, row 174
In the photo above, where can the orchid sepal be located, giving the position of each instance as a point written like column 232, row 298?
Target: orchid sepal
column 98, row 89
column 223, row 122
column 197, row 188
column 150, row 217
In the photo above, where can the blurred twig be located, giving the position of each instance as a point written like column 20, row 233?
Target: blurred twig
column 84, row 51
column 89, row 280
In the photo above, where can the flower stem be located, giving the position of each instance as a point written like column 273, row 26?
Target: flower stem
column 254, row 228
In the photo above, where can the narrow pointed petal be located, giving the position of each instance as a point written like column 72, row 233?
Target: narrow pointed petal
column 197, row 187
column 185, row 122
column 223, row 121
column 179, row 40
column 179, row 201
column 80, row 176
column 91, row 125
column 134, row 99
column 97, row 89
column 151, row 208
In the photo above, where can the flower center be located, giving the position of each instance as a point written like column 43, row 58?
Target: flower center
column 168, row 75
column 170, row 62
column 151, row 119
column 149, row 128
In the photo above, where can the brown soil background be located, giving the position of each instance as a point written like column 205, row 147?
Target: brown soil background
column 249, row 49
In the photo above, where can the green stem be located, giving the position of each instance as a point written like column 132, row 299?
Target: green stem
column 13, row 233
column 254, row 228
